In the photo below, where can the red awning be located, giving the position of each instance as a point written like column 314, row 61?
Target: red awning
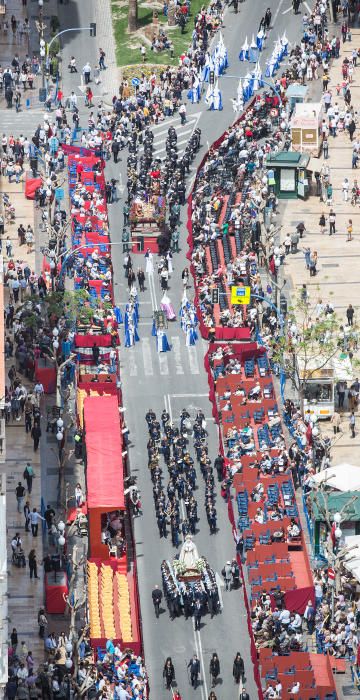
column 104, row 470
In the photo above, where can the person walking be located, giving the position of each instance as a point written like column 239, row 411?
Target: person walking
column 332, row 220
column 194, row 666
column 36, row 435
column 156, row 598
column 35, row 518
column 14, row 638
column 313, row 263
column 226, row 572
column 349, row 231
column 185, row 277
column 197, row 614
column 27, row 510
column 141, row 279
column 33, row 564
column 20, row 492
column 214, row 669
column 42, row 622
column 86, row 73
column 169, row 673
column 350, row 315
column 352, row 424
column 238, row 669
column 28, row 476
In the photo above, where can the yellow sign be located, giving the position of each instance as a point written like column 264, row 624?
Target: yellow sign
column 240, row 295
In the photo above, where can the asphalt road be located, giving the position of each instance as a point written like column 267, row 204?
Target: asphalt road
column 176, row 379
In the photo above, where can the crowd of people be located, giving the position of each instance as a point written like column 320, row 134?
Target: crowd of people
column 172, row 443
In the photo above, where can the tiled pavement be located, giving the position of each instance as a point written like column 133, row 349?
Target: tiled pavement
column 337, row 280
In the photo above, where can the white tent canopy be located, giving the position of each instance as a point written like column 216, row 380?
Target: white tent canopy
column 341, row 477
column 352, row 558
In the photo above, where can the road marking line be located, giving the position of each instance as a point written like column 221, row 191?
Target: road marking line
column 152, row 282
column 150, row 275
column 132, row 362
column 288, row 10
column 164, row 367
column 160, row 133
column 175, row 342
column 307, row 7
column 198, row 654
column 185, row 396
column 193, row 361
column 277, row 12
column 146, row 351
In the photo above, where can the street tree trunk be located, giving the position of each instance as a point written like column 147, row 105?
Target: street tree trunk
column 133, row 16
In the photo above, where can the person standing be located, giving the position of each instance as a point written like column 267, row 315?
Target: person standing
column 194, row 666
column 214, row 669
column 309, row 616
column 169, row 673
column 226, row 572
column 20, row 495
column 33, row 564
column 42, row 622
column 238, row 668
column 35, row 518
column 28, row 476
column 352, row 424
column 350, row 315
column 156, row 598
column 336, row 422
column 349, row 230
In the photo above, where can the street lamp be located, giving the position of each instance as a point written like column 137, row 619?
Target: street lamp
column 337, row 518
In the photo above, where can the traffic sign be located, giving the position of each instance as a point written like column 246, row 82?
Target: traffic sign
column 135, row 82
column 240, row 295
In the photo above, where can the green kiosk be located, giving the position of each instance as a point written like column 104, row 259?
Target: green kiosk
column 288, row 175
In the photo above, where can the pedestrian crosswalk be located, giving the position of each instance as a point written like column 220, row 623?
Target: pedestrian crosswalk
column 183, row 133
column 143, row 360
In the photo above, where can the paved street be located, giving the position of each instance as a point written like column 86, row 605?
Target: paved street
column 177, row 379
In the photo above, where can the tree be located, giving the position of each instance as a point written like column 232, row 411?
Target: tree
column 133, row 16
column 336, row 555
column 308, row 346
column 75, row 603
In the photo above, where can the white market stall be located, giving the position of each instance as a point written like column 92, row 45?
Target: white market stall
column 305, row 127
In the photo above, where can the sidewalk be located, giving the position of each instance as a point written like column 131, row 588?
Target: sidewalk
column 337, row 280
column 25, row 596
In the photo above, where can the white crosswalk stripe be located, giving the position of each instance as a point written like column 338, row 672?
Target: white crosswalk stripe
column 193, row 360
column 163, row 362
column 184, row 132
column 147, row 362
column 132, row 362
column 146, row 353
column 176, row 350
